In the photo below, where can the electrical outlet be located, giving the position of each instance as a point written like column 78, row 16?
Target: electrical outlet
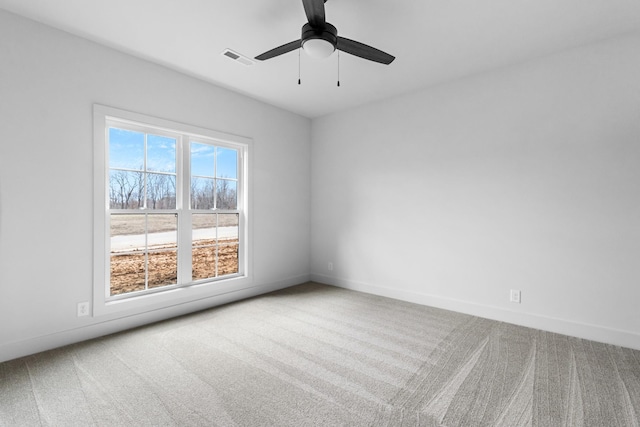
column 330, row 266
column 515, row 296
column 83, row 308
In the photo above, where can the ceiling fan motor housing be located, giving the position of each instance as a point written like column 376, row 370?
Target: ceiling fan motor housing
column 329, row 33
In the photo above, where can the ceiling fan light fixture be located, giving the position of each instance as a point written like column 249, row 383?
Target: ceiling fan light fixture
column 319, row 39
column 318, row 48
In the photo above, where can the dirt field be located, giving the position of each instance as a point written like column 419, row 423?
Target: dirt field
column 127, row 271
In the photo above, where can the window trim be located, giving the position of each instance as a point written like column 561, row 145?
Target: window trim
column 174, row 295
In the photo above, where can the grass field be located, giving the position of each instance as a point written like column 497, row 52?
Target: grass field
column 127, row 224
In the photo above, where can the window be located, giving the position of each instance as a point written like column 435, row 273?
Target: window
column 171, row 211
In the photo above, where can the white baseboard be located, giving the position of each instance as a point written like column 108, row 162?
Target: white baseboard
column 25, row 347
column 561, row 326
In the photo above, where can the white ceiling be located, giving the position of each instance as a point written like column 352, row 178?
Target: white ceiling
column 433, row 41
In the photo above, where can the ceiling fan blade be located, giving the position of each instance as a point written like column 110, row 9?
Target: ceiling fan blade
column 315, row 12
column 363, row 51
column 285, row 48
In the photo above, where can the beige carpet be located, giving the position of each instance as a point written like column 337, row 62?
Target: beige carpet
column 318, row 355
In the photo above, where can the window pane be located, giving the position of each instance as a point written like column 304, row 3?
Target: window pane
column 163, row 231
column 161, row 154
column 127, row 233
column 127, row 273
column 127, row 253
column 126, row 149
column 203, row 229
column 163, row 268
column 202, row 160
column 126, row 189
column 161, row 191
column 204, row 263
column 226, row 163
column 162, row 234
column 226, row 194
column 202, row 193
column 227, row 259
column 228, row 228
column 228, row 233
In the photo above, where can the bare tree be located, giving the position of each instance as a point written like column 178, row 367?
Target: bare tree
column 169, row 196
column 121, row 189
column 194, row 195
column 226, row 196
column 139, row 188
column 202, row 191
column 113, row 192
column 154, row 189
column 161, row 191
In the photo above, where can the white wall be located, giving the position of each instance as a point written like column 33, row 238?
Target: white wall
column 49, row 81
column 522, row 178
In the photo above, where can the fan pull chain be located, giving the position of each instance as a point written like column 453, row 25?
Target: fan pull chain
column 338, row 68
column 299, row 81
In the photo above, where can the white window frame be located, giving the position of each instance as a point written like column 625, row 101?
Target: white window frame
column 103, row 303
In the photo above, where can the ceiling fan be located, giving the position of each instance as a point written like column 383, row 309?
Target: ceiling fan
column 320, row 39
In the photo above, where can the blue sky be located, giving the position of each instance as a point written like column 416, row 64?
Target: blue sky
column 202, row 161
column 126, row 150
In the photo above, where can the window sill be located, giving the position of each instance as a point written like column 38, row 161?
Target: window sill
column 170, row 297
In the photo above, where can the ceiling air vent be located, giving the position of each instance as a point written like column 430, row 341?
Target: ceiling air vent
column 237, row 57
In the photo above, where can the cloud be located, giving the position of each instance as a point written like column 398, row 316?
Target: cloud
column 202, row 150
